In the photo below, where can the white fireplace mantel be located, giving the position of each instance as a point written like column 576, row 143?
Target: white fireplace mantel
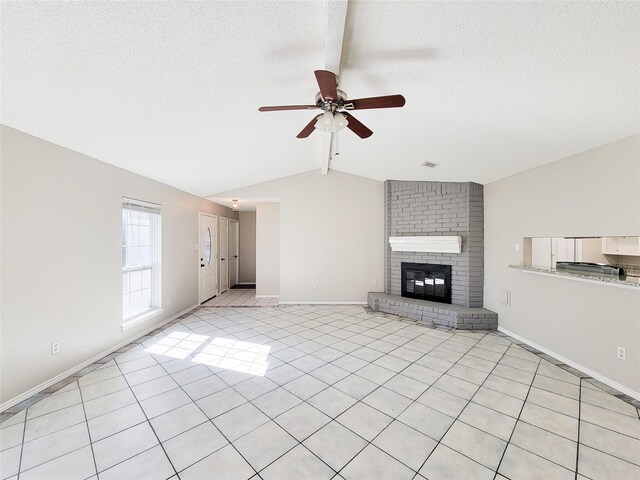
column 432, row 243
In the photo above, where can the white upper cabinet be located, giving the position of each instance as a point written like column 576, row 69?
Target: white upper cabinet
column 621, row 245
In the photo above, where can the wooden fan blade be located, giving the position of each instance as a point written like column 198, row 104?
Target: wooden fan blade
column 356, row 126
column 328, row 84
column 308, row 130
column 287, row 107
column 388, row 101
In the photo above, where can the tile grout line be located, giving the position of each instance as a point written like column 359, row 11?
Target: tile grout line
column 566, row 438
column 516, row 424
column 571, row 416
column 317, row 393
column 24, row 430
column 208, row 420
column 407, row 407
column 581, row 375
column 563, row 366
column 312, row 406
column 494, row 367
column 304, row 401
column 150, row 426
column 579, row 422
column 93, row 455
column 536, row 426
column 55, row 458
column 439, row 441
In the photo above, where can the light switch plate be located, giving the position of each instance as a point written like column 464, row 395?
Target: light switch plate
column 505, row 297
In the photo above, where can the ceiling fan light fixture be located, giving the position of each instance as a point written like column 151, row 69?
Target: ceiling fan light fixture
column 339, row 121
column 331, row 122
column 325, row 122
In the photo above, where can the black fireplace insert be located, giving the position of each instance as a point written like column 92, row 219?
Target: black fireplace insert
column 426, row 281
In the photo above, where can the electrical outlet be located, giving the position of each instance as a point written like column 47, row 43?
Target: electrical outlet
column 622, row 353
column 375, row 282
column 168, row 301
column 55, row 348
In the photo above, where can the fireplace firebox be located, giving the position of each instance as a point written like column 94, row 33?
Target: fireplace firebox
column 426, row 281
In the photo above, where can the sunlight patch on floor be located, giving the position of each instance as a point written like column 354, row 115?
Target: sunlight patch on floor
column 235, row 355
column 177, row 345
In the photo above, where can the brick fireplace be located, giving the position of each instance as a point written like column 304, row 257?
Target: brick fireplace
column 437, row 208
column 415, row 209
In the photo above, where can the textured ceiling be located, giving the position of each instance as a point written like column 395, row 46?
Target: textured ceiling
column 170, row 90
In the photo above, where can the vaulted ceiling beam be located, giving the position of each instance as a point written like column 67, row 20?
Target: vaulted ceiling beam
column 336, row 19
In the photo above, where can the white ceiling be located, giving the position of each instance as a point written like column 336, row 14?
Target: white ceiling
column 170, row 90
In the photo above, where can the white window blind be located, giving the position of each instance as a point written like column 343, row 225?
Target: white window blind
column 140, row 257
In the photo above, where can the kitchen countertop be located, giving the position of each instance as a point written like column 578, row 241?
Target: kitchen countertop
column 631, row 270
column 628, row 282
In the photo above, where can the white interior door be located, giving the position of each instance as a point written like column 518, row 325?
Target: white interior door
column 233, row 252
column 224, row 254
column 207, row 285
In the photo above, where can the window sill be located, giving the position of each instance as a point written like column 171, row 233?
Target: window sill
column 132, row 322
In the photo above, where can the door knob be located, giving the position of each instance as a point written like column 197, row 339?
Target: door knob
column 202, row 264
column 222, row 259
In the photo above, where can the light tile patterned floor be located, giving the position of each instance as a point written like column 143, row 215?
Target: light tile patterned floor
column 323, row 392
column 240, row 297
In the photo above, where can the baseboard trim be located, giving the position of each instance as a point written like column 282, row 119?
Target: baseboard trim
column 613, row 384
column 23, row 396
column 321, row 302
column 267, row 296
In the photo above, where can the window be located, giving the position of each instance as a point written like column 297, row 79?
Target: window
column 207, row 246
column 140, row 258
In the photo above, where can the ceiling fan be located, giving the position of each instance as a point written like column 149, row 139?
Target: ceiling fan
column 336, row 107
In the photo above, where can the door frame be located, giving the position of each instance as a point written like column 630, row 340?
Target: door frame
column 220, row 290
column 236, row 226
column 214, row 252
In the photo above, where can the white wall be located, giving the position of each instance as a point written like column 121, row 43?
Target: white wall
column 247, row 247
column 61, row 262
column 331, row 235
column 268, row 249
column 590, row 194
